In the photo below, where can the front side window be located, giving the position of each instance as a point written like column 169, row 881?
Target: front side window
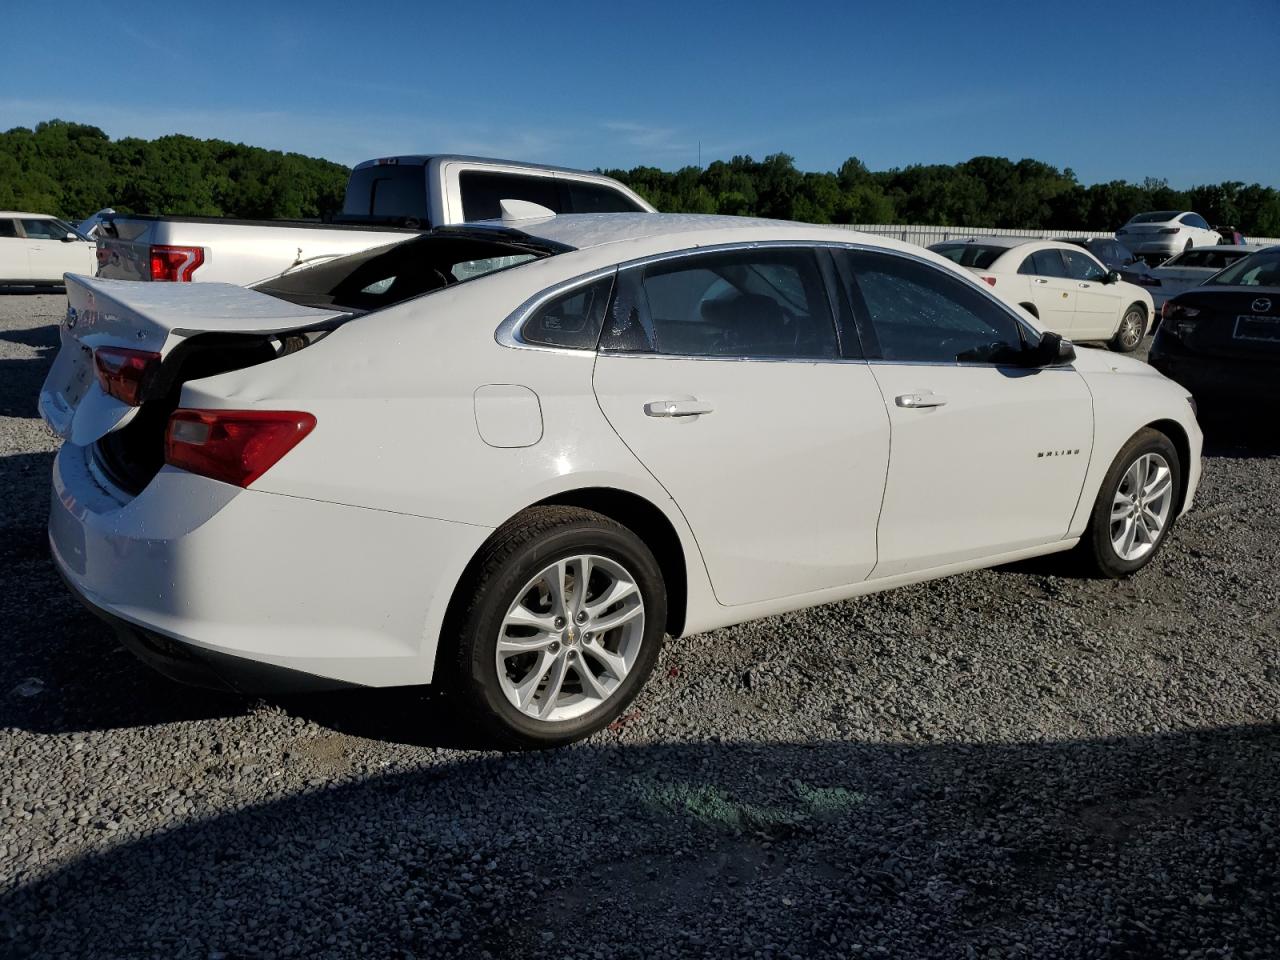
column 483, row 192
column 45, row 229
column 919, row 313
column 1081, row 266
column 595, row 198
column 1044, row 263
column 571, row 320
column 761, row 303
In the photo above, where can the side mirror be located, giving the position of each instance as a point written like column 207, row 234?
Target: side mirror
column 1051, row 349
column 69, row 238
column 1113, row 276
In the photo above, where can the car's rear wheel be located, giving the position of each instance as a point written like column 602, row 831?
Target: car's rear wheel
column 565, row 620
column 1133, row 327
column 1136, row 506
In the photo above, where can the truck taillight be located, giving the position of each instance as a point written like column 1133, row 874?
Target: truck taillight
column 234, row 446
column 125, row 373
column 175, row 263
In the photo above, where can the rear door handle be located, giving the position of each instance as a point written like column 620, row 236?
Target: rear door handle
column 1041, row 280
column 677, row 408
column 919, row 401
column 1085, row 285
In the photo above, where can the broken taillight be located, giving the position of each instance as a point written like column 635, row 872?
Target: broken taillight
column 124, row 373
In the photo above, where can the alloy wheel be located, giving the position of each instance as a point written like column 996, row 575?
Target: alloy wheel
column 570, row 637
column 1131, row 328
column 1141, row 507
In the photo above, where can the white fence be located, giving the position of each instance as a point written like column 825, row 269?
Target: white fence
column 925, row 235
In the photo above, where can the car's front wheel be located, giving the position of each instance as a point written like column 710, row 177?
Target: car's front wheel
column 1133, row 327
column 561, row 622
column 1136, row 505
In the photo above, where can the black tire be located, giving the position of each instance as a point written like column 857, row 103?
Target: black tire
column 1096, row 548
column 517, row 552
column 1133, row 321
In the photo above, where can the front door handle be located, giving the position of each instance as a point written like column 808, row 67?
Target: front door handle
column 1041, row 280
column 920, row 401
column 1086, row 285
column 677, row 408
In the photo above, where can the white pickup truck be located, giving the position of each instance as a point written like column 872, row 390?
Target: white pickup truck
column 387, row 200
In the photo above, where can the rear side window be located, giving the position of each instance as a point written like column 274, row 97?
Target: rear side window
column 8, row 228
column 762, row 303
column 595, row 198
column 1195, row 220
column 483, row 192
column 970, row 254
column 1044, row 263
column 571, row 320
column 918, row 313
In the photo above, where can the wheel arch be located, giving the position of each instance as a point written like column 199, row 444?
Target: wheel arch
column 648, row 522
column 1182, row 443
column 635, row 512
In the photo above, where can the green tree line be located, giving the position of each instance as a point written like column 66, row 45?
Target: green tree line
column 72, row 169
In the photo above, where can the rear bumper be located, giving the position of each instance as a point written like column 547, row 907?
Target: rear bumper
column 251, row 591
column 1212, row 378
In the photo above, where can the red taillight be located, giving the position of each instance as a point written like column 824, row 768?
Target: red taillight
column 1170, row 229
column 989, row 281
column 234, row 446
column 175, row 263
column 124, row 373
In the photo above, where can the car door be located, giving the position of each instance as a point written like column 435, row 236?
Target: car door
column 723, row 374
column 1098, row 304
column 987, row 457
column 14, row 263
column 1052, row 292
column 50, row 254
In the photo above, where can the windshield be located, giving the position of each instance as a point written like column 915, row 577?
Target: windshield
column 1258, row 270
column 978, row 255
column 1159, row 216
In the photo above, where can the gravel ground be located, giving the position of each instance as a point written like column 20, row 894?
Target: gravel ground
column 1009, row 763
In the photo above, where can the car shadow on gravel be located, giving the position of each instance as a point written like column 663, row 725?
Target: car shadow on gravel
column 1142, row 846
column 21, row 380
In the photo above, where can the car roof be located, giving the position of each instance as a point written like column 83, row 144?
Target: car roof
column 1246, row 247
column 1006, row 243
column 31, row 216
column 583, row 231
column 423, row 158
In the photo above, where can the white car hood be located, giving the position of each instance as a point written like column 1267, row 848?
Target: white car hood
column 1094, row 360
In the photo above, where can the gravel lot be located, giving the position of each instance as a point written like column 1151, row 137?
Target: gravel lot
column 1005, row 764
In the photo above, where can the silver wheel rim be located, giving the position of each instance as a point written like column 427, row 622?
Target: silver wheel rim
column 1141, row 506
column 1131, row 328
column 570, row 638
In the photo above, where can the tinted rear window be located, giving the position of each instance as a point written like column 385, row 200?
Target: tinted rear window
column 1258, row 270
column 970, row 254
column 1158, row 216
column 594, row 198
column 394, row 192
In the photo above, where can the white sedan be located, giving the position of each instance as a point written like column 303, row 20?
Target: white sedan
column 36, row 250
column 375, row 472
column 1194, row 267
column 1162, row 233
column 1065, row 287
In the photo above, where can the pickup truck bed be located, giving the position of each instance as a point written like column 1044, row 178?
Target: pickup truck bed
column 224, row 249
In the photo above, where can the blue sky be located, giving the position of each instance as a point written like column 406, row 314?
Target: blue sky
column 1183, row 90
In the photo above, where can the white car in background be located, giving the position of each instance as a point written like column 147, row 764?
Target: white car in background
column 1162, row 233
column 1064, row 286
column 1194, row 267
column 395, row 468
column 36, row 250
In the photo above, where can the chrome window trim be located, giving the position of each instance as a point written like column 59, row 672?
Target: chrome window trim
column 508, row 332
